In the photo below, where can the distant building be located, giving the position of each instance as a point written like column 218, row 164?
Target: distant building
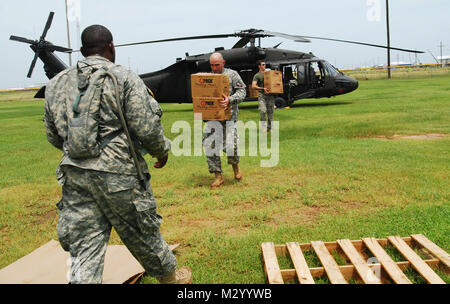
column 400, row 64
column 444, row 59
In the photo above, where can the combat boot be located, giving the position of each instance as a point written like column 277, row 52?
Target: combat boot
column 218, row 181
column 179, row 276
column 237, row 172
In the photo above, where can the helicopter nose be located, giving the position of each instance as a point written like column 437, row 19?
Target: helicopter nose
column 346, row 84
column 354, row 85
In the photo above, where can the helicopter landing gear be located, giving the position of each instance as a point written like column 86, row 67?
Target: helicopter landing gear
column 280, row 102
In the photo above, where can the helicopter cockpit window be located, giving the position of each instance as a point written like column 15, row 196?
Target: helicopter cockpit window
column 300, row 73
column 292, row 76
column 331, row 70
column 314, row 72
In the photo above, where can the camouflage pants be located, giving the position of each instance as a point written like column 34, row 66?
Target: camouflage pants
column 265, row 105
column 92, row 203
column 220, row 135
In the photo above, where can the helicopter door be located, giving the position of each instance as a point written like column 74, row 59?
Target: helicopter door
column 294, row 80
column 328, row 84
column 315, row 75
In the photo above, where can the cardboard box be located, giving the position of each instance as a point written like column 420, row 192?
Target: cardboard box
column 209, row 85
column 207, row 90
column 273, row 80
column 50, row 264
column 210, row 109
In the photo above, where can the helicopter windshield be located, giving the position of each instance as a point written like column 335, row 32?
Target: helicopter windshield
column 332, row 71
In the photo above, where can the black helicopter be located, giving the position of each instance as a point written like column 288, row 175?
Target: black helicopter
column 304, row 75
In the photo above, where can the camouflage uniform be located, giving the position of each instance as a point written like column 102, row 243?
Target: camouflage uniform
column 229, row 127
column 104, row 192
column 266, row 103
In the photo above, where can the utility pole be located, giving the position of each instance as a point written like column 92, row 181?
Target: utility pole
column 388, row 41
column 441, row 46
column 68, row 34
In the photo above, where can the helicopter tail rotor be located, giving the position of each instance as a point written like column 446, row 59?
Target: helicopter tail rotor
column 41, row 45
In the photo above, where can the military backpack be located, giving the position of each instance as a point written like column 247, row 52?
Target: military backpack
column 83, row 118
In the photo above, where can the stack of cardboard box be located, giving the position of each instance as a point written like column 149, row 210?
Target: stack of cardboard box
column 207, row 91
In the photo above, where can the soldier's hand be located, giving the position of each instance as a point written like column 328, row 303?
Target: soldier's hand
column 224, row 103
column 266, row 90
column 161, row 162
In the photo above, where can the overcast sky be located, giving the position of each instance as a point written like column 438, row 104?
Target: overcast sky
column 415, row 24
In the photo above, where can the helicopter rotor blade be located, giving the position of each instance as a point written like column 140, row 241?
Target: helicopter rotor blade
column 276, row 46
column 47, row 25
column 241, row 43
column 246, row 36
column 33, row 63
column 367, row 44
column 178, row 39
column 287, row 36
column 59, row 48
column 21, row 39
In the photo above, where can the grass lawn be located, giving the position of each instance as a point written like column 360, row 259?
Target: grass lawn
column 335, row 180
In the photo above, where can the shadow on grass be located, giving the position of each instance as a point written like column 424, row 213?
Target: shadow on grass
column 320, row 104
column 206, row 179
column 300, row 105
column 254, row 105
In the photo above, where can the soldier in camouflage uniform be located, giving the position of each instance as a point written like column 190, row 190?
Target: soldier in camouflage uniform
column 266, row 102
column 103, row 192
column 228, row 137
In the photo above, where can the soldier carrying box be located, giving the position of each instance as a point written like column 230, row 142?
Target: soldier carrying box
column 265, row 100
column 228, row 137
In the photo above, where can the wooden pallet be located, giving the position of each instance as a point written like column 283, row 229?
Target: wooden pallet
column 366, row 261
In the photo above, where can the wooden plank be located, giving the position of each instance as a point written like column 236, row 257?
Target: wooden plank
column 417, row 263
column 330, row 265
column 348, row 270
column 301, row 267
column 385, row 260
column 271, row 263
column 358, row 244
column 438, row 252
column 366, row 274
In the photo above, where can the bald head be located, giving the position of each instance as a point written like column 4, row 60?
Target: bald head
column 217, row 63
column 216, row 56
column 97, row 40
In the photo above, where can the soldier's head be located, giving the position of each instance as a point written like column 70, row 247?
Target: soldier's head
column 98, row 40
column 217, row 63
column 261, row 65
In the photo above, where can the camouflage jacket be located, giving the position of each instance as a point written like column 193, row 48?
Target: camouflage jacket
column 140, row 109
column 237, row 91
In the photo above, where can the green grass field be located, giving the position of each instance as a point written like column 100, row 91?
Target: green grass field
column 335, row 180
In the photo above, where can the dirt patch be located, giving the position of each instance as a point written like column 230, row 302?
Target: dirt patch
column 49, row 216
column 305, row 215
column 429, row 136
